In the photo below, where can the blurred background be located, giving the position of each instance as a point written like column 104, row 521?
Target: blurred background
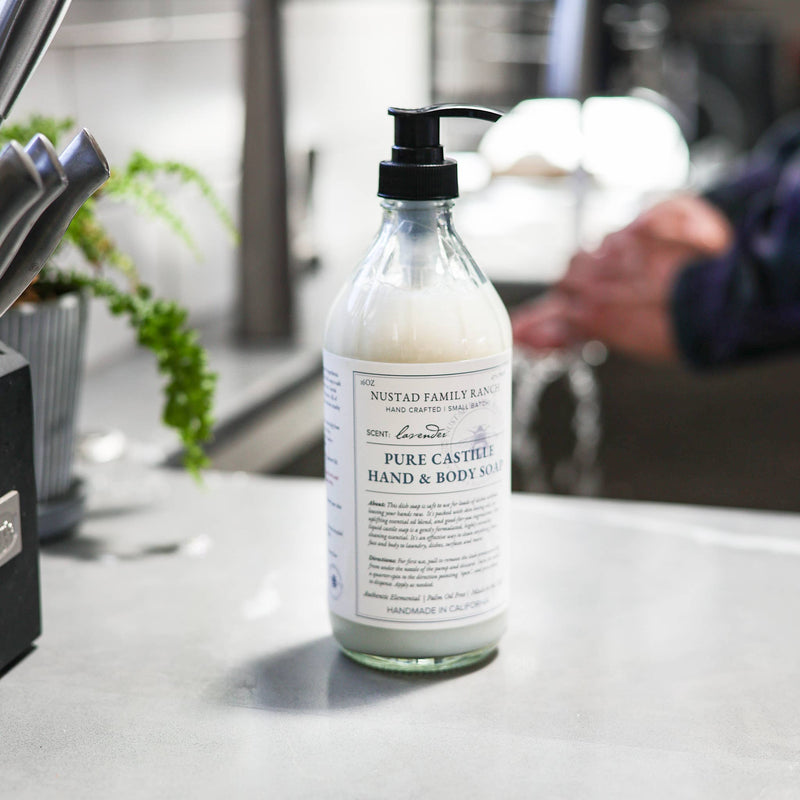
column 282, row 105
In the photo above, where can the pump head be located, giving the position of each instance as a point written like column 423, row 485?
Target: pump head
column 418, row 169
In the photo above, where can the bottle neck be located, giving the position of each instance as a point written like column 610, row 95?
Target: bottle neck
column 417, row 216
column 421, row 235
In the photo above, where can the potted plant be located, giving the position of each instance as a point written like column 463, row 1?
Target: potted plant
column 89, row 263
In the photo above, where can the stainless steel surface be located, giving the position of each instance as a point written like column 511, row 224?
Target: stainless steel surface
column 266, row 300
column 124, row 394
column 20, row 186
column 54, row 181
column 29, row 37
column 87, row 170
column 574, row 49
column 652, row 653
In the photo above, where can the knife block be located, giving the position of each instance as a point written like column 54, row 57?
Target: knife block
column 20, row 610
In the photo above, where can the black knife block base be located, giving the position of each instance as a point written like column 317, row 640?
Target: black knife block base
column 60, row 516
column 20, row 610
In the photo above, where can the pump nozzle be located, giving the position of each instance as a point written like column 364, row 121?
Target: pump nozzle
column 419, row 127
column 418, row 169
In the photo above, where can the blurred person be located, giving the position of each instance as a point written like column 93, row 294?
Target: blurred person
column 709, row 280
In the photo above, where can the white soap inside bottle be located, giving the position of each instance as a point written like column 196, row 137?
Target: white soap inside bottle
column 418, row 297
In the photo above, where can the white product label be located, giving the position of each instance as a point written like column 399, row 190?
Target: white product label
column 417, row 465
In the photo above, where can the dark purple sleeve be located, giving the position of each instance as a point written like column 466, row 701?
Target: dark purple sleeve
column 760, row 172
column 746, row 303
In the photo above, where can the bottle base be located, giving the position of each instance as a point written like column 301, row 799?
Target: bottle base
column 428, row 665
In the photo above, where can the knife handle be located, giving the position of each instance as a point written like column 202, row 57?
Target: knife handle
column 87, row 170
column 20, row 186
column 54, row 182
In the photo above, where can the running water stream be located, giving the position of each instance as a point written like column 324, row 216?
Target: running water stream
column 578, row 473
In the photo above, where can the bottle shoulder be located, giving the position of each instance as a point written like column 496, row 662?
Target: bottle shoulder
column 418, row 295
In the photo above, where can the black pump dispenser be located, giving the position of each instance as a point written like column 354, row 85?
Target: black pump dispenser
column 418, row 169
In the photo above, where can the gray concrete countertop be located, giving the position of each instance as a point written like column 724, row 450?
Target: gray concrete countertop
column 652, row 653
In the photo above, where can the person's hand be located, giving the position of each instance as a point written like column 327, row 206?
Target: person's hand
column 619, row 293
column 686, row 220
column 602, row 297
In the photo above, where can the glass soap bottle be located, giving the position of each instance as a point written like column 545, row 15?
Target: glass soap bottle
column 417, row 369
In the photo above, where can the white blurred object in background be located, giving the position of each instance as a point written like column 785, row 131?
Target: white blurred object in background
column 619, row 141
